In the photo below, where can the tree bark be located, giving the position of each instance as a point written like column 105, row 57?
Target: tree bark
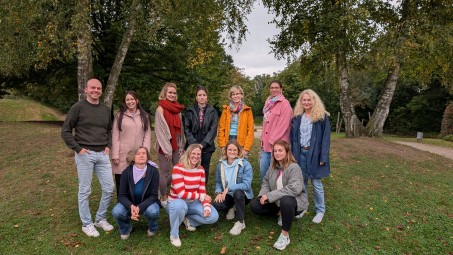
column 121, row 55
column 84, row 54
column 353, row 126
column 375, row 126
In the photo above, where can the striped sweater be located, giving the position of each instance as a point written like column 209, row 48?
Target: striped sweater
column 189, row 185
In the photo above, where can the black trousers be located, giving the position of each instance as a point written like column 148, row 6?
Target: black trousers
column 287, row 209
column 238, row 199
column 205, row 161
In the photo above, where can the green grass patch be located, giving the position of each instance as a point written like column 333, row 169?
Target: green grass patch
column 27, row 110
column 382, row 198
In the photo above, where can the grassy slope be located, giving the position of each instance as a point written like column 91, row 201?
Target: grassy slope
column 26, row 110
column 382, row 198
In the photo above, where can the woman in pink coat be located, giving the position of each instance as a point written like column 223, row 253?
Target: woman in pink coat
column 131, row 128
column 277, row 116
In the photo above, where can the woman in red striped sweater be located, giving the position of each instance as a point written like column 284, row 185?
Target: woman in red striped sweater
column 188, row 201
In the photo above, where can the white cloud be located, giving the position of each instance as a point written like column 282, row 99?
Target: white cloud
column 254, row 55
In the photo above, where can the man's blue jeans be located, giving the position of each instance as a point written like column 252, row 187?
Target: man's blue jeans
column 99, row 163
column 318, row 189
column 122, row 217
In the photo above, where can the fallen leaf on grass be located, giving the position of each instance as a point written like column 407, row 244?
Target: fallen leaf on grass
column 377, row 247
column 258, row 248
column 400, row 227
column 223, row 250
column 16, row 226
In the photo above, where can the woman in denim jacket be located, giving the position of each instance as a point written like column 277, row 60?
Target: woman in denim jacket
column 233, row 185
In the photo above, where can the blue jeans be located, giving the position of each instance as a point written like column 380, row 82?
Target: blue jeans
column 99, row 163
column 265, row 162
column 318, row 189
column 178, row 209
column 122, row 217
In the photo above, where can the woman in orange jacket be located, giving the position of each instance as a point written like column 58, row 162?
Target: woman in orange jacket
column 236, row 122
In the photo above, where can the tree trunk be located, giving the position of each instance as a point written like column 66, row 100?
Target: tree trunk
column 84, row 55
column 353, row 126
column 121, row 55
column 376, row 124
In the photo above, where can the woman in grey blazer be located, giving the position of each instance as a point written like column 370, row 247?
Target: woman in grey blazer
column 282, row 191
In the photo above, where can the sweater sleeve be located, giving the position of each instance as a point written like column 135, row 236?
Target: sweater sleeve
column 68, row 125
column 178, row 186
column 163, row 134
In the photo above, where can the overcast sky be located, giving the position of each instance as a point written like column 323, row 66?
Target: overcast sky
column 254, row 55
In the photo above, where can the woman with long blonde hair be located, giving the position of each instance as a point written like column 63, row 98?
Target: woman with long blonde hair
column 310, row 144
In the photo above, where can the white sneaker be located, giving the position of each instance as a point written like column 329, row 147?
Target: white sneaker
column 300, row 215
column 318, row 218
column 279, row 221
column 237, row 228
column 126, row 236
column 188, row 226
column 90, row 230
column 104, row 225
column 164, row 203
column 231, row 213
column 150, row 233
column 175, row 241
column 282, row 242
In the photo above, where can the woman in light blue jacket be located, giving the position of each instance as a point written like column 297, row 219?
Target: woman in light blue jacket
column 233, row 186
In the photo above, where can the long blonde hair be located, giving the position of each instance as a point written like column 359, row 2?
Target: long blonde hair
column 318, row 110
column 185, row 158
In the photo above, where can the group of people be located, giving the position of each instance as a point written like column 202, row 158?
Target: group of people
column 294, row 149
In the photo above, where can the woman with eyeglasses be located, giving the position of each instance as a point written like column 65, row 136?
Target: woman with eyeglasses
column 236, row 122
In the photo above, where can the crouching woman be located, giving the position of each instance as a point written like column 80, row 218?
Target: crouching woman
column 188, row 201
column 138, row 193
column 233, row 185
column 281, row 191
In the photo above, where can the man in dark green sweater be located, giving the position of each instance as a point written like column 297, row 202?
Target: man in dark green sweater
column 91, row 141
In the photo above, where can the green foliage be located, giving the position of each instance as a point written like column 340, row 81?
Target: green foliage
column 447, row 121
column 448, row 138
column 417, row 109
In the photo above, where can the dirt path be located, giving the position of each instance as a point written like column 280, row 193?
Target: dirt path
column 446, row 152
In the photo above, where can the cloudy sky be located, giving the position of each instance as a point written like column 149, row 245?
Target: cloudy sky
column 254, row 55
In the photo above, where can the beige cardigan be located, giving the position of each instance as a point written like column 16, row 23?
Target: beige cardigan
column 163, row 134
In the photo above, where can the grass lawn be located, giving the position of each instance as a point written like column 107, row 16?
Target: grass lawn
column 382, row 198
column 27, row 110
